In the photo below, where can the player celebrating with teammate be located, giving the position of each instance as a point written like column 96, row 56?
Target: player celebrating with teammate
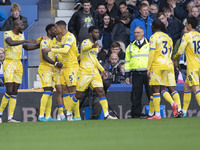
column 70, row 66
column 88, row 74
column 12, row 66
column 46, row 73
column 191, row 44
column 160, row 67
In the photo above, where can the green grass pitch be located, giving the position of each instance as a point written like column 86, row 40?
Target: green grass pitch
column 126, row 134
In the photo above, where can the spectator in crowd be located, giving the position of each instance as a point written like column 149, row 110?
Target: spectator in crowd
column 195, row 13
column 95, row 3
column 2, row 17
column 120, row 31
column 2, row 57
column 136, row 63
column 153, row 11
column 168, row 11
column 173, row 27
column 145, row 2
column 101, row 8
column 112, row 9
column 106, row 32
column 122, row 8
column 120, row 75
column 179, row 6
column 159, row 3
column 5, row 2
column 82, row 20
column 101, row 56
column 197, row 4
column 115, row 48
column 143, row 21
column 190, row 5
column 15, row 11
column 111, row 67
column 133, row 9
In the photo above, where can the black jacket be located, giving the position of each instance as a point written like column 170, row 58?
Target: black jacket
column 174, row 29
column 75, row 21
column 8, row 24
column 7, row 2
column 114, row 11
column 120, row 33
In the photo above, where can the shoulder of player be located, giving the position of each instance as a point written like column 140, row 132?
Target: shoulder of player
column 85, row 42
column 45, row 41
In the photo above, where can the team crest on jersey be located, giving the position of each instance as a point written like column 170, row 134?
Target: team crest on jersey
column 93, row 52
column 45, row 42
column 84, row 43
column 69, row 39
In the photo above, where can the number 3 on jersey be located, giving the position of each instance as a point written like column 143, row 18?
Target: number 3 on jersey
column 196, row 47
column 165, row 50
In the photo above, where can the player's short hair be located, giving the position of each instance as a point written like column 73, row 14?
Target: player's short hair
column 49, row 26
column 193, row 21
column 14, row 7
column 61, row 23
column 86, row 1
column 115, row 44
column 160, row 14
column 158, row 25
column 92, row 28
column 142, row 5
column 123, row 3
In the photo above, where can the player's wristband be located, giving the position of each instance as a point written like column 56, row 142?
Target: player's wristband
column 55, row 63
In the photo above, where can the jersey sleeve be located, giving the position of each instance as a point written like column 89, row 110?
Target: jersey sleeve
column 66, row 47
column 7, row 34
column 69, row 40
column 44, row 44
column 181, row 47
column 86, row 46
column 152, row 43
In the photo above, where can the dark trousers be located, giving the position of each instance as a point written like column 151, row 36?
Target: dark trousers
column 139, row 78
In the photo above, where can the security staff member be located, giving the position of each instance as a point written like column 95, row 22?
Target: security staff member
column 136, row 61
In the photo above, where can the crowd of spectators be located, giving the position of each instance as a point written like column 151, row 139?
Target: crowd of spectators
column 118, row 22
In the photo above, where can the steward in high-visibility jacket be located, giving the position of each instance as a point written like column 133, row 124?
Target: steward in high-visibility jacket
column 137, row 56
column 136, row 61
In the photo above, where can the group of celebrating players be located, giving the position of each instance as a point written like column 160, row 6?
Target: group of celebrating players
column 59, row 68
